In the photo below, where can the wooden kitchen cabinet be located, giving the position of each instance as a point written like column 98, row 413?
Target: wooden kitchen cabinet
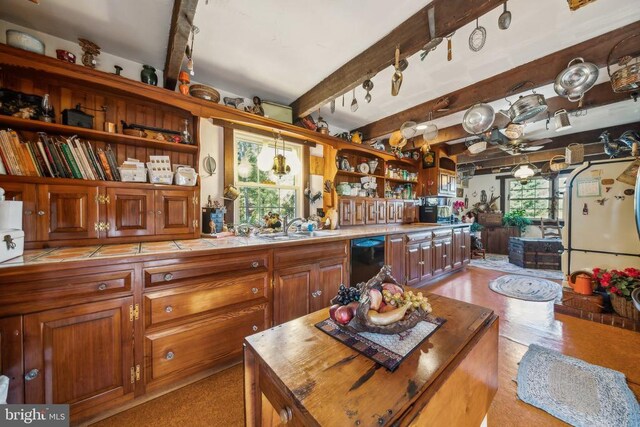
column 358, row 216
column 67, row 212
column 130, row 212
column 80, row 355
column 381, row 208
column 466, row 241
column 344, row 212
column 457, row 248
column 391, row 212
column 291, row 287
column 395, row 256
column 331, row 274
column 26, row 193
column 371, row 212
column 413, row 260
column 11, row 357
column 496, row 239
column 175, row 211
column 426, row 256
column 399, row 208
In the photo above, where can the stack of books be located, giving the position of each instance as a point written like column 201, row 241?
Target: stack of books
column 56, row 158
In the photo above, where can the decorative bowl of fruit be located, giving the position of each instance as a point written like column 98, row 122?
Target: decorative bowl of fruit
column 380, row 306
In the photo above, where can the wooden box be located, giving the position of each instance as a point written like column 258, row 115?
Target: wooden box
column 490, row 218
column 535, row 253
column 591, row 303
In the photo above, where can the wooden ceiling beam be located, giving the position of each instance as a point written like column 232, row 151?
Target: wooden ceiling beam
column 411, row 36
column 181, row 23
column 540, row 72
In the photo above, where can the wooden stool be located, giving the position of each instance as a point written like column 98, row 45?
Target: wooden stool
column 477, row 253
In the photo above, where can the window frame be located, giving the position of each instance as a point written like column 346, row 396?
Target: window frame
column 298, row 188
column 552, row 198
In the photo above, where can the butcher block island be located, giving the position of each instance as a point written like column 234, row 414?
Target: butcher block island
column 297, row 375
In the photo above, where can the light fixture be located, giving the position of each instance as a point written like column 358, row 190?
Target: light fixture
column 265, row 158
column 477, row 147
column 280, row 166
column 244, row 167
column 421, row 126
column 513, row 131
column 561, row 119
column 523, row 171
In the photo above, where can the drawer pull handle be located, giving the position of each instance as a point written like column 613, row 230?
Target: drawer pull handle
column 168, row 309
column 421, row 262
column 168, row 277
column 41, row 213
column 170, row 355
column 255, row 264
column 31, row 375
column 102, row 286
column 285, row 415
column 28, row 212
column 159, row 212
column 254, row 290
column 255, row 328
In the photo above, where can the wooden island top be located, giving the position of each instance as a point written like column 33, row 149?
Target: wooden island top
column 297, row 375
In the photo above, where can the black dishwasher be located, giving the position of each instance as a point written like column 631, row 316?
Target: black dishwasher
column 367, row 258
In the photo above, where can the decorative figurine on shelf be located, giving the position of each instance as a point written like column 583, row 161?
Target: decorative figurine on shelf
column 148, row 75
column 233, row 102
column 256, row 108
column 90, row 51
column 47, row 110
column 186, row 136
column 184, row 80
column 209, row 201
column 118, row 70
column 312, row 197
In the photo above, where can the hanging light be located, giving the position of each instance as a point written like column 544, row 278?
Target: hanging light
column 561, row 119
column 523, row 171
column 244, row 167
column 265, row 158
column 280, row 166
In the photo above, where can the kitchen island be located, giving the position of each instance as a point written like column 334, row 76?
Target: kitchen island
column 297, row 375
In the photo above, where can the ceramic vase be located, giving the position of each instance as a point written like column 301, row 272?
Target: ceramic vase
column 148, row 75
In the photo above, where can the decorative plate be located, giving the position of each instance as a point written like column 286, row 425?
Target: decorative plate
column 363, row 168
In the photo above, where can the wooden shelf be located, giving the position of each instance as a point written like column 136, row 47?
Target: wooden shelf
column 349, row 173
column 90, row 182
column 92, row 134
column 402, row 181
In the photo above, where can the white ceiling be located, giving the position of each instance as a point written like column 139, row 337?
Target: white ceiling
column 279, row 49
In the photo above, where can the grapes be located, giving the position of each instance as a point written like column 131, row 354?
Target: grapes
column 415, row 301
column 347, row 295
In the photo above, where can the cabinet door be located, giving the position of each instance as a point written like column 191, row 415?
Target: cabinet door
column 447, row 254
column 11, row 357
column 331, row 274
column 414, row 266
column 371, row 212
column 174, row 211
column 130, row 212
column 395, row 256
column 457, row 248
column 344, row 207
column 291, row 289
column 466, row 246
column 426, row 258
column 437, row 257
column 67, row 212
column 391, row 212
column 26, row 193
column 80, row 355
column 382, row 211
column 409, row 213
column 399, row 208
column 358, row 215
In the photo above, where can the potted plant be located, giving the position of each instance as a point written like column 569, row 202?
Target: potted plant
column 619, row 284
column 476, row 229
column 516, row 218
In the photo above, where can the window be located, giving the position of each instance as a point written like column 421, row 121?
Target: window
column 538, row 197
column 262, row 192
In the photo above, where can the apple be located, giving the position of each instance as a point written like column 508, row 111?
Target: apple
column 375, row 296
column 353, row 306
column 393, row 288
column 343, row 315
column 332, row 311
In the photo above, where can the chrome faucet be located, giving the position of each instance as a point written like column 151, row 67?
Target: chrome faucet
column 288, row 224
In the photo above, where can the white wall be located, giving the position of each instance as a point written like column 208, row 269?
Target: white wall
column 211, row 143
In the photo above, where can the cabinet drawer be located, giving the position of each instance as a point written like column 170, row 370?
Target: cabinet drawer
column 442, row 234
column 62, row 289
column 174, row 304
column 173, row 272
column 191, row 348
column 416, row 237
column 309, row 253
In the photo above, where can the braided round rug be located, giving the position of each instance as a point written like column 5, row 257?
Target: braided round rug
column 526, row 288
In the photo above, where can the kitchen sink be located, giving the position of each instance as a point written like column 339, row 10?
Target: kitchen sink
column 279, row 237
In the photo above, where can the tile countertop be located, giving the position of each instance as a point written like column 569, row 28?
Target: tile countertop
column 138, row 251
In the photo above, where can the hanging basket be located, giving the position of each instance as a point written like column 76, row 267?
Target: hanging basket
column 558, row 163
column 627, row 77
column 625, row 308
column 574, row 153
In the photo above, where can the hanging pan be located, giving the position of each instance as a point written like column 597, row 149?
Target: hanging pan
column 574, row 81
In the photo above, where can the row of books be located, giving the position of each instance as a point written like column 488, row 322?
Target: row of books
column 56, row 157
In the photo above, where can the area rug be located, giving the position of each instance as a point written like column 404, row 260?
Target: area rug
column 501, row 263
column 575, row 391
column 527, row 288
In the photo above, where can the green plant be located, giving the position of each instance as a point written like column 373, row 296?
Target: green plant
column 618, row 282
column 475, row 227
column 516, row 218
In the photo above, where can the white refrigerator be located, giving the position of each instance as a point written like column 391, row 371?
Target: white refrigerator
column 602, row 217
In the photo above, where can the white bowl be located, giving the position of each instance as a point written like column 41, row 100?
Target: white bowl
column 24, row 41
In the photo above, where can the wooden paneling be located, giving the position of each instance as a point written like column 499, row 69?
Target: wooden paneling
column 178, row 303
column 291, row 290
column 466, row 241
column 414, row 268
column 67, row 212
column 457, row 248
column 130, row 212
column 371, row 212
column 496, row 239
column 381, row 207
column 11, row 357
column 399, row 208
column 331, row 274
column 83, row 354
column 395, row 256
column 174, row 211
column 359, row 216
column 174, row 353
column 181, row 22
column 345, row 207
column 426, row 257
column 297, row 255
column 391, row 212
column 26, row 193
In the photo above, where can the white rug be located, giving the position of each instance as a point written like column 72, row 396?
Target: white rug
column 501, row 263
column 527, row 288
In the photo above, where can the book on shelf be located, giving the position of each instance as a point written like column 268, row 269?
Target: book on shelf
column 105, row 164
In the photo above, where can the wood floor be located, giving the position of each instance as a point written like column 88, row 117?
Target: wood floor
column 523, row 323
column 219, row 397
